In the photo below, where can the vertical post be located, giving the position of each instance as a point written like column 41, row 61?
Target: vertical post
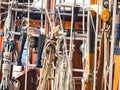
column 112, row 46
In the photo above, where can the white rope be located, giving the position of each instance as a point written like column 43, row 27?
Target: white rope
column 91, row 17
column 69, row 85
column 96, row 45
column 59, row 77
column 7, row 54
column 41, row 27
column 63, row 35
column 112, row 45
column 27, row 57
column 52, row 75
column 5, row 68
column 83, row 27
column 105, row 59
column 83, row 56
column 48, row 15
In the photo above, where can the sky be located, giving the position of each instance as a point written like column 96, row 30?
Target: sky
column 37, row 3
column 78, row 1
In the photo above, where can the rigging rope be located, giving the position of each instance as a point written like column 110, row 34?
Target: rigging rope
column 28, row 47
column 7, row 50
column 48, row 15
column 112, row 46
column 96, row 45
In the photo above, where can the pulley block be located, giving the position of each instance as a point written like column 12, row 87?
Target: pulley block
column 105, row 15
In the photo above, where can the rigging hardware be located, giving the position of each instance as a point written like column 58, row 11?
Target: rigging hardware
column 105, row 15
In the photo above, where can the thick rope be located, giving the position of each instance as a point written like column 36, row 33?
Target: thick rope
column 7, row 54
column 49, row 56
